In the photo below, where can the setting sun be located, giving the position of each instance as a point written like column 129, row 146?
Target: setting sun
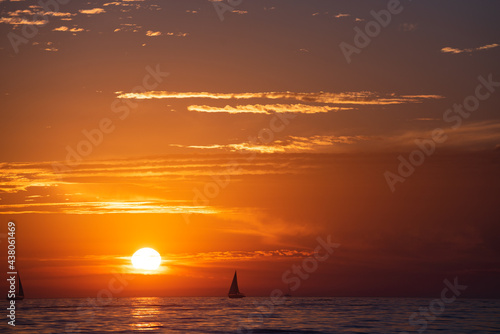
column 146, row 259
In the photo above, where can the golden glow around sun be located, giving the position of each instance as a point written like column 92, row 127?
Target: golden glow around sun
column 146, row 259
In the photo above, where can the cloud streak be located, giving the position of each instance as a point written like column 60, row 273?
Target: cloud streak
column 266, row 109
column 357, row 98
column 457, row 51
column 92, row 11
column 64, row 28
column 120, row 207
column 21, row 21
column 292, row 144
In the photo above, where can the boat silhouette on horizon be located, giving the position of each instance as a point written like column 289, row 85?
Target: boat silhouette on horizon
column 19, row 294
column 234, row 291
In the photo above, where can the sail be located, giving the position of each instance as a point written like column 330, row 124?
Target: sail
column 234, row 286
column 21, row 291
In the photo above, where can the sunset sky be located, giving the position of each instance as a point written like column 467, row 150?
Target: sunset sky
column 233, row 136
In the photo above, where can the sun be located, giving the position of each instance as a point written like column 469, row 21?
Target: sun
column 146, row 259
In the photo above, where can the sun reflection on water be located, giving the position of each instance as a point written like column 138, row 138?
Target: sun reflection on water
column 146, row 314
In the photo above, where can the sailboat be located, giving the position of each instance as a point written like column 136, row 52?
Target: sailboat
column 289, row 293
column 19, row 295
column 234, row 292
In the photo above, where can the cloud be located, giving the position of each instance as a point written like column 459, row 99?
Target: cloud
column 457, row 51
column 58, row 14
column 357, row 98
column 85, row 208
column 472, row 136
column 92, row 11
column 160, row 185
column 128, row 27
column 16, row 17
column 152, row 33
column 341, row 15
column 20, row 12
column 64, row 28
column 21, row 21
column 255, row 255
column 177, row 34
column 33, row 177
column 292, row 144
column 265, row 109
column 132, row 4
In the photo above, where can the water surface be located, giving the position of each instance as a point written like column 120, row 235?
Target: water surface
column 251, row 315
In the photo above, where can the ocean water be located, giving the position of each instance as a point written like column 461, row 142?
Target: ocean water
column 253, row 315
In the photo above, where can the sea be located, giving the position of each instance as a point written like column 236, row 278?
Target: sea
column 253, row 315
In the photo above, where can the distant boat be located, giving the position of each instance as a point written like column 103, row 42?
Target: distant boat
column 234, row 292
column 289, row 293
column 19, row 295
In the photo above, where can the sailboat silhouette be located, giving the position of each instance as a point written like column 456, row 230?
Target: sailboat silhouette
column 234, row 291
column 19, row 294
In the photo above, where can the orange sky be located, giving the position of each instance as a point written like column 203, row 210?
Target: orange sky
column 74, row 233
column 235, row 144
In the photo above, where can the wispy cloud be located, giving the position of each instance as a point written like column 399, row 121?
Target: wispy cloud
column 292, row 144
column 21, row 21
column 157, row 173
column 24, row 16
column 473, row 136
column 59, row 14
column 266, row 109
column 128, row 27
column 457, row 51
column 64, row 28
column 256, row 255
column 151, row 33
column 85, row 208
column 145, row 186
column 92, row 11
column 359, row 98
